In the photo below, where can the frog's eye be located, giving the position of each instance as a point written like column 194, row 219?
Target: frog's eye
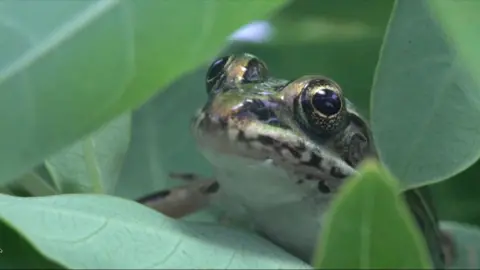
column 216, row 72
column 326, row 102
column 231, row 71
column 322, row 106
column 255, row 70
column 245, row 68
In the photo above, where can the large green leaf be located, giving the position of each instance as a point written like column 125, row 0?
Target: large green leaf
column 426, row 94
column 100, row 231
column 460, row 22
column 66, row 67
column 458, row 198
column 370, row 227
column 93, row 164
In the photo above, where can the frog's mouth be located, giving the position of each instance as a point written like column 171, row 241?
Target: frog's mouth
column 254, row 131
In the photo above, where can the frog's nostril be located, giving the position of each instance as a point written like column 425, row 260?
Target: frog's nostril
column 322, row 187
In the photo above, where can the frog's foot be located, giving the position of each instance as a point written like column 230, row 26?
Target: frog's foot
column 183, row 200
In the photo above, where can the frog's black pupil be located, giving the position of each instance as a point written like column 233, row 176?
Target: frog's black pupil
column 327, row 102
column 215, row 71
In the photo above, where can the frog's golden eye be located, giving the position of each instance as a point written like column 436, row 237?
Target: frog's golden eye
column 321, row 105
column 255, row 70
column 231, row 71
column 216, row 72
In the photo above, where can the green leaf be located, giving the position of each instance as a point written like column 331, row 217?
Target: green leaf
column 369, row 226
column 161, row 136
column 466, row 244
column 93, row 164
column 458, row 197
column 31, row 184
column 426, row 97
column 17, row 253
column 100, row 231
column 67, row 67
column 459, row 19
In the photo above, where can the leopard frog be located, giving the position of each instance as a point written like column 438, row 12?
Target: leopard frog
column 280, row 150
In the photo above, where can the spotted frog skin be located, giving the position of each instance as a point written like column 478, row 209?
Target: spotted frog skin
column 280, row 150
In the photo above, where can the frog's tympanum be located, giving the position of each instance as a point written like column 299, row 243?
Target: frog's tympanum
column 280, row 151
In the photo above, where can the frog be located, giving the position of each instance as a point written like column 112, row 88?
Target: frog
column 281, row 150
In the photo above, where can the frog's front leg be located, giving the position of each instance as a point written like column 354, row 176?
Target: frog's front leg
column 183, row 200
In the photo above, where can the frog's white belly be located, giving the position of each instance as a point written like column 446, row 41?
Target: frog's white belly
column 269, row 199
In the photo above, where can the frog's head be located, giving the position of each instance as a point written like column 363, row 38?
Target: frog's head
column 305, row 126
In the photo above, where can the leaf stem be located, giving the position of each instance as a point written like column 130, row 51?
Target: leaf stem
column 91, row 164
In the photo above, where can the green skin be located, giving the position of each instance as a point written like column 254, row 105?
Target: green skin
column 279, row 160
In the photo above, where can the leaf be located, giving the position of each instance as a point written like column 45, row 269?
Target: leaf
column 466, row 243
column 459, row 20
column 99, row 232
column 93, row 164
column 161, row 136
column 426, row 98
column 30, row 257
column 68, row 67
column 369, row 226
column 459, row 196
column 31, row 184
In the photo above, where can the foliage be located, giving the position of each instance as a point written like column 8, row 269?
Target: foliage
column 361, row 223
column 71, row 73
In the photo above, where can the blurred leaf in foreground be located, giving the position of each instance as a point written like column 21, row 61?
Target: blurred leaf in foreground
column 66, row 67
column 100, row 232
column 426, row 93
column 369, row 226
